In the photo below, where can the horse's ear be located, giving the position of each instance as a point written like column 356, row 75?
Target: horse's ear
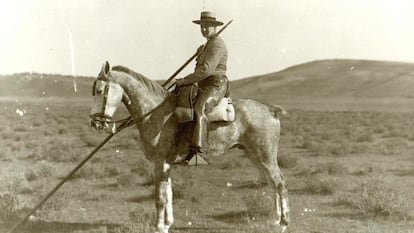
column 104, row 70
column 107, row 68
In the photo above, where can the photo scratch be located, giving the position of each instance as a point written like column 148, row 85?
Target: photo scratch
column 72, row 54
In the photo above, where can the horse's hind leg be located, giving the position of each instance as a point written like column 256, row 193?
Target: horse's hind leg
column 265, row 159
column 277, row 181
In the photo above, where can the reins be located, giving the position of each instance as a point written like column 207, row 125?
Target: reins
column 137, row 119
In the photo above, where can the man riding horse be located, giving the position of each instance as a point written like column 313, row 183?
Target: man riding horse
column 210, row 75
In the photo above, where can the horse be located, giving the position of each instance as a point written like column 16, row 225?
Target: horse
column 256, row 130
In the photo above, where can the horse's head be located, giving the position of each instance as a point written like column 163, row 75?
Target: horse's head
column 108, row 94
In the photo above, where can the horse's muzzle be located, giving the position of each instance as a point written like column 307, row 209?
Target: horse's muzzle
column 99, row 122
column 98, row 125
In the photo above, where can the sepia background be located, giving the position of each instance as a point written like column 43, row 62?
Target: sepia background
column 344, row 71
column 154, row 37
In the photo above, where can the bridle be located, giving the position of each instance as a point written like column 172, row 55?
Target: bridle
column 105, row 118
column 101, row 116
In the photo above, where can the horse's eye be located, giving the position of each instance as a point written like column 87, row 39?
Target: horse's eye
column 99, row 87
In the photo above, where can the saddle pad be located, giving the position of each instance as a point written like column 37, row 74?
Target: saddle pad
column 223, row 111
column 184, row 110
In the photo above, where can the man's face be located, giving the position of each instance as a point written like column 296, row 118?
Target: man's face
column 207, row 30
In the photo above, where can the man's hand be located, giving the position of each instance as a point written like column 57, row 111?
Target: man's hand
column 179, row 82
column 199, row 49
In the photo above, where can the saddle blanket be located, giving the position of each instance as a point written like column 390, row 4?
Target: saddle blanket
column 184, row 112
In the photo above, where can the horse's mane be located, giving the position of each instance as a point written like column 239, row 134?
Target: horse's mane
column 151, row 85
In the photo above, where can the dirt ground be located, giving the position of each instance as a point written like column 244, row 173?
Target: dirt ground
column 346, row 172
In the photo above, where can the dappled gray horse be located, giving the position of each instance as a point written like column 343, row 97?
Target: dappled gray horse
column 256, row 131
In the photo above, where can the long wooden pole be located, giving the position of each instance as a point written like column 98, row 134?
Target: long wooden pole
column 165, row 84
column 121, row 127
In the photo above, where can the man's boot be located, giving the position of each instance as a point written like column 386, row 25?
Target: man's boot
column 200, row 136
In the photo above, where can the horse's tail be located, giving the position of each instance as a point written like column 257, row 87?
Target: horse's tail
column 277, row 110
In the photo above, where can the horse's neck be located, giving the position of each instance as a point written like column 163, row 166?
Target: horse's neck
column 141, row 105
column 153, row 114
column 152, row 108
column 145, row 96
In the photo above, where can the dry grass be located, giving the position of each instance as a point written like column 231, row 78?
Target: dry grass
column 285, row 160
column 321, row 184
column 40, row 170
column 126, row 180
column 329, row 168
column 260, row 205
column 14, row 187
column 346, row 133
column 323, row 155
column 261, row 227
column 375, row 197
column 143, row 222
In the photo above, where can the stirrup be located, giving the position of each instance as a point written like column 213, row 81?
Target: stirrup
column 198, row 159
column 194, row 150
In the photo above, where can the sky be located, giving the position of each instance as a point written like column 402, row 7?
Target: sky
column 156, row 37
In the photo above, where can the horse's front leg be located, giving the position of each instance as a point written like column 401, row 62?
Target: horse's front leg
column 163, row 197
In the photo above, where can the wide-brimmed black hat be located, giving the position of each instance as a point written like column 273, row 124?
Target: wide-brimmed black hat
column 208, row 17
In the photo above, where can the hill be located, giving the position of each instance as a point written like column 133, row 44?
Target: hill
column 332, row 79
column 333, row 83
column 44, row 85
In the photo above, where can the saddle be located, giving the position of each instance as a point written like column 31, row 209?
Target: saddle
column 223, row 111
